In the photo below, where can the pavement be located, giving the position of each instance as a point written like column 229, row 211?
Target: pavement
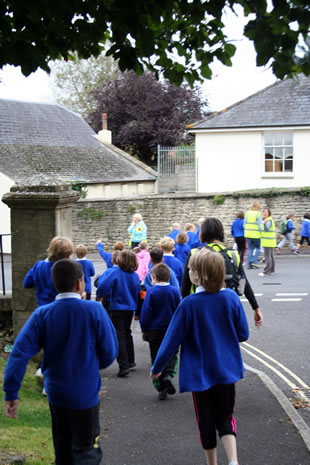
column 138, row 429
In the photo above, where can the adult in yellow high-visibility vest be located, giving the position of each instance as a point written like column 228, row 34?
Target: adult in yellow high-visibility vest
column 269, row 242
column 252, row 232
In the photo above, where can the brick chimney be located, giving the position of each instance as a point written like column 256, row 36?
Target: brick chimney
column 105, row 135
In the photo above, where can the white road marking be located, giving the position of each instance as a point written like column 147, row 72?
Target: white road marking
column 299, row 380
column 291, row 385
column 287, row 300
column 291, row 293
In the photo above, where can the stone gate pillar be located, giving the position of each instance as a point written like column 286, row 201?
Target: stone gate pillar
column 40, row 210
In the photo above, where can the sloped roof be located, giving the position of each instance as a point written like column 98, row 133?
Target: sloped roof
column 285, row 103
column 40, row 138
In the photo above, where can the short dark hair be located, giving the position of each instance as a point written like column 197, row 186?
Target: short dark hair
column 127, row 261
column 156, row 255
column 65, row 273
column 211, row 230
column 161, row 272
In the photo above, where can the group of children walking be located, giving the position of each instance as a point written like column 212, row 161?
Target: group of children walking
column 208, row 325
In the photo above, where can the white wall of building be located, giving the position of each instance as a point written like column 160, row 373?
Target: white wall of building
column 234, row 160
column 5, row 228
column 114, row 190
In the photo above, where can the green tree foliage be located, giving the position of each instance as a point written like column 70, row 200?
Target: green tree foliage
column 73, row 80
column 143, row 112
column 178, row 38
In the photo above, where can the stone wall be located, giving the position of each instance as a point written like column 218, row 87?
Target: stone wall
column 109, row 219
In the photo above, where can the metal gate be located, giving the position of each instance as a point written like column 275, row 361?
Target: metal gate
column 176, row 168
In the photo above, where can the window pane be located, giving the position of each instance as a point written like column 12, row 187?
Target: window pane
column 288, row 138
column 278, row 152
column 268, row 138
column 278, row 139
column 288, row 165
column 268, row 156
column 269, row 165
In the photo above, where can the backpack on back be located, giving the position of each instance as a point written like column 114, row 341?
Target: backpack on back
column 232, row 278
column 283, row 228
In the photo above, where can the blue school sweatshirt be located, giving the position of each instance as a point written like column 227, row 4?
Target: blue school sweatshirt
column 40, row 277
column 158, row 307
column 193, row 240
column 172, row 280
column 237, row 228
column 176, row 265
column 122, row 287
column 181, row 252
column 209, row 328
column 88, row 271
column 107, row 256
column 78, row 339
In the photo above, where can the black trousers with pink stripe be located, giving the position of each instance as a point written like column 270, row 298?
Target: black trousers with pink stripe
column 214, row 412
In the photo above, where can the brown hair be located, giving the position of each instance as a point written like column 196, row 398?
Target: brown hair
column 181, row 238
column 240, row 215
column 127, row 261
column 81, row 251
column 156, row 255
column 268, row 210
column 161, row 272
column 211, row 270
column 65, row 274
column 189, row 226
column 192, row 263
column 211, row 230
column 119, row 245
column 60, row 247
column 166, row 244
column 115, row 255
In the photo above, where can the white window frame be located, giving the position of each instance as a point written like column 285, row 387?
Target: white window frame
column 277, row 147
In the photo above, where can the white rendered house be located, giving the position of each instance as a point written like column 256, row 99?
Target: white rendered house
column 260, row 142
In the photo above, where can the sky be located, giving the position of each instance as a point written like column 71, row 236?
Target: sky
column 228, row 85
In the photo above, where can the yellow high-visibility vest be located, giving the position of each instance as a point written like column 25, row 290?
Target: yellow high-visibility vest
column 268, row 238
column 251, row 229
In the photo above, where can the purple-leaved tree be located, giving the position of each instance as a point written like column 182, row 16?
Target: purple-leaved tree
column 143, row 112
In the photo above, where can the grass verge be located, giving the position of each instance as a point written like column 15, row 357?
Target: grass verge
column 30, row 434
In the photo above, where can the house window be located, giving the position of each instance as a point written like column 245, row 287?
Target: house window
column 278, row 149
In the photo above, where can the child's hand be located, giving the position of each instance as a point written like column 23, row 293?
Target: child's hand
column 136, row 317
column 155, row 375
column 99, row 242
column 84, row 295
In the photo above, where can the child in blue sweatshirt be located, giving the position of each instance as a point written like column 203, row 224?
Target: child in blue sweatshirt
column 209, row 325
column 237, row 232
column 40, row 275
column 122, row 286
column 78, row 340
column 158, row 307
column 167, row 245
column 107, row 256
column 88, row 268
column 181, row 248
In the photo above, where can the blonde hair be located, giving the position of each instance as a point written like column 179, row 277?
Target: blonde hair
column 255, row 206
column 210, row 267
column 138, row 216
column 166, row 244
column 59, row 247
column 181, row 238
column 175, row 226
column 81, row 250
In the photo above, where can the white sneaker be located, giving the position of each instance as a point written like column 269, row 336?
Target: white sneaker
column 263, row 274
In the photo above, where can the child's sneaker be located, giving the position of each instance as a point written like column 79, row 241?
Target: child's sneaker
column 296, row 252
column 162, row 395
column 169, row 385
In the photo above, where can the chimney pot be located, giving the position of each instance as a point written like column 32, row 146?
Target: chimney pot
column 104, row 121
